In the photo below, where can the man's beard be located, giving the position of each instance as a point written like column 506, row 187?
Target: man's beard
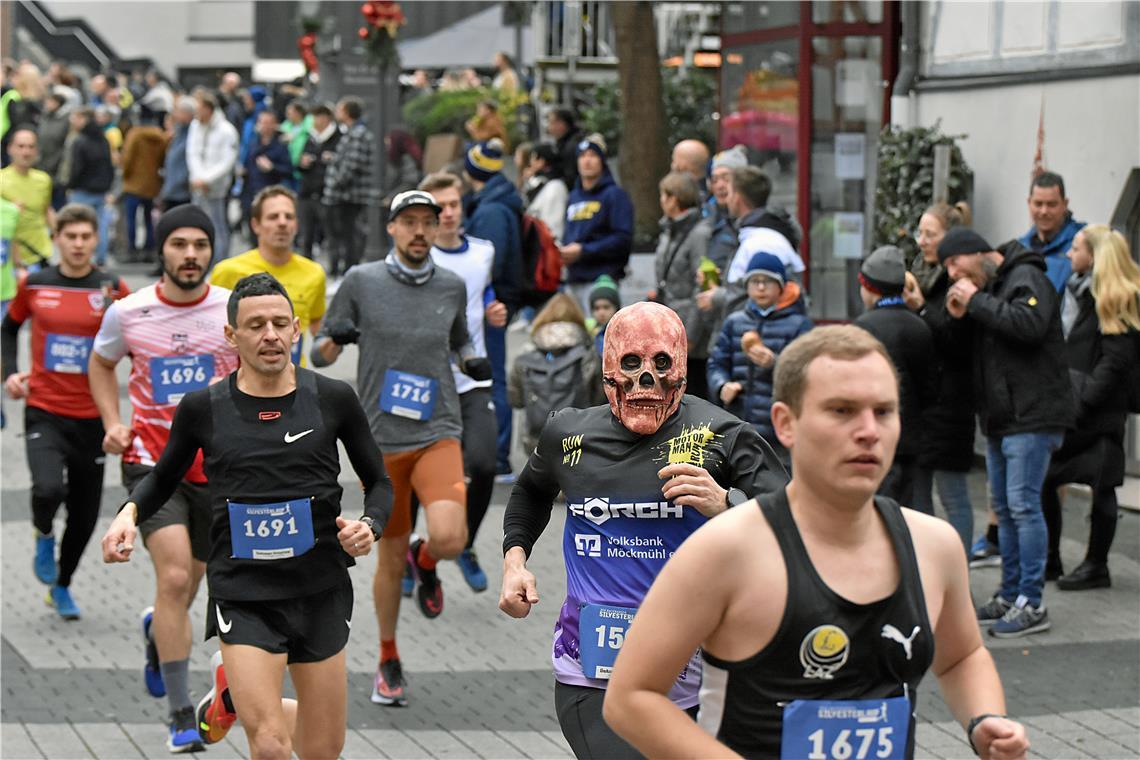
column 172, row 275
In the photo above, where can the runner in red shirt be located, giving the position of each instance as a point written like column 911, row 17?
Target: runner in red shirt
column 62, row 429
column 173, row 332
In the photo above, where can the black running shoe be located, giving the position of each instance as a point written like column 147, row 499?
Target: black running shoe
column 429, row 591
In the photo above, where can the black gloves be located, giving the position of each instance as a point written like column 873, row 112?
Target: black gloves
column 342, row 333
column 477, row 368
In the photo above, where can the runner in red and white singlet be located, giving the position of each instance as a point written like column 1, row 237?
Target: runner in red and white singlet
column 174, row 334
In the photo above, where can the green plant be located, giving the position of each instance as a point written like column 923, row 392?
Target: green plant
column 906, row 182
column 447, row 111
column 690, row 102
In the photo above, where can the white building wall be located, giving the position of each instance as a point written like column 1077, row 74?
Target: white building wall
column 995, row 60
column 1092, row 139
column 174, row 34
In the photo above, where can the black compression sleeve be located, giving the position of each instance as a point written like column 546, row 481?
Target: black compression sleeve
column 340, row 406
column 755, row 467
column 9, row 347
column 528, row 508
column 192, row 426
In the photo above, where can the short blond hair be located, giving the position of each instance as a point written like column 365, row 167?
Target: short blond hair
column 844, row 342
column 440, row 181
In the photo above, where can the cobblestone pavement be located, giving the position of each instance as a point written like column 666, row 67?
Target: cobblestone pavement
column 481, row 683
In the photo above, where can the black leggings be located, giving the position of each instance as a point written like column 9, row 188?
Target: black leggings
column 57, row 444
column 579, row 711
column 479, row 432
column 1102, row 528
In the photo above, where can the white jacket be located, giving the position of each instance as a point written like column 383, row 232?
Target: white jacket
column 550, row 206
column 211, row 152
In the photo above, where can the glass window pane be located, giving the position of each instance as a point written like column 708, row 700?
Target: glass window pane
column 847, row 11
column 761, row 111
column 847, row 114
column 750, row 16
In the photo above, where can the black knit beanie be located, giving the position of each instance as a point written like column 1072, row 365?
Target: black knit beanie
column 186, row 215
column 961, row 240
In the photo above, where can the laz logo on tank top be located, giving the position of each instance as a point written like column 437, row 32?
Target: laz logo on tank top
column 823, row 651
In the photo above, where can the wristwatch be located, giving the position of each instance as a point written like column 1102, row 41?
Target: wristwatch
column 368, row 521
column 735, row 497
column 974, row 724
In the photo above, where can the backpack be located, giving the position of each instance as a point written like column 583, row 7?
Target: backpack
column 551, row 383
column 541, row 262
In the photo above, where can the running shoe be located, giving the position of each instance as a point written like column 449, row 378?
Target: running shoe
column 60, row 598
column 215, row 713
column 1021, row 619
column 429, row 591
column 408, row 582
column 44, row 564
column 472, row 572
column 184, row 736
column 984, row 554
column 993, row 610
column 152, row 670
column 390, row 688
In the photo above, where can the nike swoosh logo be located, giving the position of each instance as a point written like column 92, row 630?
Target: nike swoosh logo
column 223, row 626
column 349, row 624
column 289, row 437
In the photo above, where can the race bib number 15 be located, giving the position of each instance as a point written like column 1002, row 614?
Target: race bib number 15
column 821, row 729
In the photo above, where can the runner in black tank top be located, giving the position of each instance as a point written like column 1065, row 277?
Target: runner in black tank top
column 819, row 612
column 280, row 594
column 826, row 647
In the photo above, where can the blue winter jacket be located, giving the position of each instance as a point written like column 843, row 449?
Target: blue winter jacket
column 175, row 173
column 495, row 213
column 1057, row 264
column 601, row 219
column 728, row 361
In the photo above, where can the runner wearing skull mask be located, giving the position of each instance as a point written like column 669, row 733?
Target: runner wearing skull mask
column 639, row 475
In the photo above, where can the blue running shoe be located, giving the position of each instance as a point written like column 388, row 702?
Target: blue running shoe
column 472, row 573
column 46, row 568
column 184, row 736
column 984, row 554
column 152, row 671
column 60, row 598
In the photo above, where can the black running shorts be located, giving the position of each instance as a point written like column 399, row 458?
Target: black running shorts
column 309, row 629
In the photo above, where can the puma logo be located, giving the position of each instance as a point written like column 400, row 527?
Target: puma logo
column 223, row 626
column 289, row 437
column 892, row 633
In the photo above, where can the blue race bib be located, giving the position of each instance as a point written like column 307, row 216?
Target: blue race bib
column 296, row 352
column 408, row 395
column 855, row 729
column 172, row 377
column 601, row 633
column 271, row 531
column 67, row 353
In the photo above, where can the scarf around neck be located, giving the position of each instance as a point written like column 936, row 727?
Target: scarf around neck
column 407, row 275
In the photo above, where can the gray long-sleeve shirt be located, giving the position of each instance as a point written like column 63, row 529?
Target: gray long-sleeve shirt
column 409, row 329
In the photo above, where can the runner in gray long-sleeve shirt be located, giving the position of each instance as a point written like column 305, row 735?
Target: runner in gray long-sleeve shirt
column 408, row 317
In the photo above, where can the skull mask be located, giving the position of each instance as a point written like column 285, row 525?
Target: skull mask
column 644, row 364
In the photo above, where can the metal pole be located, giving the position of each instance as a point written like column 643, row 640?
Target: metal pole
column 941, row 173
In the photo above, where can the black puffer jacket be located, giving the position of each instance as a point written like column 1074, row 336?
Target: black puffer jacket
column 911, row 348
column 91, row 167
column 948, row 423
column 1021, row 377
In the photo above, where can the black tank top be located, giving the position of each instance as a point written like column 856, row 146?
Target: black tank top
column 826, row 647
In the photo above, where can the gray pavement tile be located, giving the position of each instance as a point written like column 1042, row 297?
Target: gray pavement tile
column 560, row 741
column 1130, row 715
column 1103, row 748
column 357, row 747
column 17, row 743
column 1100, row 721
column 1130, row 741
column 533, row 743
column 488, row 744
column 107, row 740
column 443, row 744
column 395, row 744
column 58, row 742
